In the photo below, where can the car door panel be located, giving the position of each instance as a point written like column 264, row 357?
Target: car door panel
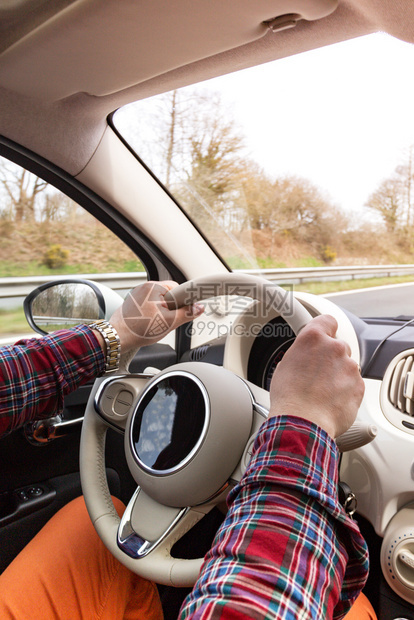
column 22, row 518
column 53, row 466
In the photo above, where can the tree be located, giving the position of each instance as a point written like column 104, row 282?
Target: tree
column 258, row 196
column 202, row 158
column 291, row 205
column 188, row 138
column 171, row 137
column 387, row 201
column 172, row 126
column 393, row 200
column 215, row 169
column 22, row 189
column 405, row 175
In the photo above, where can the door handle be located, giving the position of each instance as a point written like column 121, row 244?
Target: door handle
column 42, row 432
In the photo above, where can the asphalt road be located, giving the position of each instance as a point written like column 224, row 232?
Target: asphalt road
column 382, row 301
column 11, row 303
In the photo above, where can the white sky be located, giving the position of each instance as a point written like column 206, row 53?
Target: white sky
column 340, row 116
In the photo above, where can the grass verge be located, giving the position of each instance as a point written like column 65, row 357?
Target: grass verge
column 10, row 269
column 13, row 321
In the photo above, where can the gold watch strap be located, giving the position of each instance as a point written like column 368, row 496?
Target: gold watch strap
column 112, row 343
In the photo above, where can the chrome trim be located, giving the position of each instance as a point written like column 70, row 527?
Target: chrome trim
column 193, row 452
column 113, row 378
column 130, row 542
column 102, row 386
column 262, row 411
column 41, row 432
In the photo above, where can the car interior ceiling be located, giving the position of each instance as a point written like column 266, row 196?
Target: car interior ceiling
column 107, row 83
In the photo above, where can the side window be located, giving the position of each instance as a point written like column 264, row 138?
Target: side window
column 44, row 233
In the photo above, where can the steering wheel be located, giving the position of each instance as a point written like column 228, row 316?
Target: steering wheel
column 188, row 435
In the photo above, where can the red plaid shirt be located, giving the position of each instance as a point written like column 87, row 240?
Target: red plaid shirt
column 286, row 550
column 36, row 374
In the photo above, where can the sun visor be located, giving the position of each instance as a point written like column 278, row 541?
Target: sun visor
column 102, row 48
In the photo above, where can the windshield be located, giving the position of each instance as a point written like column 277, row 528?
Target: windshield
column 302, row 162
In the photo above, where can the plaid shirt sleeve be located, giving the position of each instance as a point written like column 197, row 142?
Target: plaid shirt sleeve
column 36, row 374
column 286, row 550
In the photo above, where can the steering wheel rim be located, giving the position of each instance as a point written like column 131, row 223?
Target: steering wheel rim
column 260, row 289
column 159, row 565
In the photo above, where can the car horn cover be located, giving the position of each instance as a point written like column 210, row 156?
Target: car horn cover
column 187, row 433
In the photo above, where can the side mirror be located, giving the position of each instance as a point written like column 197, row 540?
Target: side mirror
column 62, row 304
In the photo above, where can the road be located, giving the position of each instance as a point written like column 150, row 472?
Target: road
column 381, row 301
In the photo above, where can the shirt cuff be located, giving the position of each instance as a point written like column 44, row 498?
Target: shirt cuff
column 299, row 453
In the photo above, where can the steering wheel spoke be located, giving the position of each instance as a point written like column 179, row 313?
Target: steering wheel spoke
column 261, row 406
column 115, row 398
column 146, row 524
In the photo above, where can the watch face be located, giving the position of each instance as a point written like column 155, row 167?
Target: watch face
column 168, row 423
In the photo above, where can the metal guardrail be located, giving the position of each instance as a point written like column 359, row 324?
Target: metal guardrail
column 20, row 287
column 320, row 274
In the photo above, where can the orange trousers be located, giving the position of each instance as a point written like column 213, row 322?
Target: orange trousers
column 362, row 610
column 66, row 573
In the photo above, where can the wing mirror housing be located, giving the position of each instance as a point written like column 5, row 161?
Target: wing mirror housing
column 62, row 304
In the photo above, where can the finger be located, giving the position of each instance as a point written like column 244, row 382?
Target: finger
column 347, row 348
column 358, row 367
column 168, row 284
column 329, row 325
column 187, row 313
column 325, row 323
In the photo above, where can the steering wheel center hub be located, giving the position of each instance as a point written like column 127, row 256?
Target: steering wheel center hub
column 187, row 431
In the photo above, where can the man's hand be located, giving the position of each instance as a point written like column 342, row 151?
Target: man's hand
column 144, row 317
column 317, row 380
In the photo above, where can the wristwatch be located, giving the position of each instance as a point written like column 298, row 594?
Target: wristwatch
column 112, row 343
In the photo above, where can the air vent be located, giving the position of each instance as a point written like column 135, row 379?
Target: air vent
column 401, row 387
column 397, row 391
column 197, row 354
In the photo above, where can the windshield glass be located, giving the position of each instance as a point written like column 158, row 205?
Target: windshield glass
column 301, row 162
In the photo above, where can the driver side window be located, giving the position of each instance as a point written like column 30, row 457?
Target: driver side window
column 44, row 234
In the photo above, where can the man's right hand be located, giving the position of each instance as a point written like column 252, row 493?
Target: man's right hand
column 317, row 379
